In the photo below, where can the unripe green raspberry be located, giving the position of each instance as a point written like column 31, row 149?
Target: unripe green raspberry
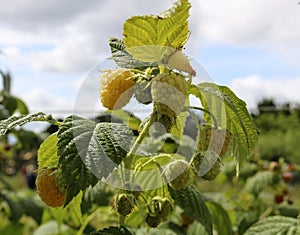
column 152, row 220
column 124, row 203
column 206, row 164
column 115, row 90
column 177, row 174
column 213, row 139
column 169, row 94
column 161, row 207
column 142, row 92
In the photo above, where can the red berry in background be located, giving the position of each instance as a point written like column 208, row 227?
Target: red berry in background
column 279, row 199
column 274, row 166
column 291, row 167
column 287, row 176
column 7, row 147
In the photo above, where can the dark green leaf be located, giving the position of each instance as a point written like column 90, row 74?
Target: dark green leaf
column 274, row 225
column 16, row 209
column 193, row 203
column 88, row 151
column 221, row 218
column 123, row 58
column 113, row 231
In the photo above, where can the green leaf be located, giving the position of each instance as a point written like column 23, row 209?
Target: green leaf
column 21, row 106
column 16, row 209
column 231, row 113
column 261, row 181
column 127, row 118
column 113, row 231
column 88, row 151
column 148, row 170
column 274, row 225
column 193, row 203
column 47, row 153
column 221, row 218
column 8, row 101
column 14, row 121
column 150, row 38
column 123, row 59
column 52, row 228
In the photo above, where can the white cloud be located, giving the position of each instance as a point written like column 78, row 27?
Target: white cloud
column 254, row 88
column 39, row 99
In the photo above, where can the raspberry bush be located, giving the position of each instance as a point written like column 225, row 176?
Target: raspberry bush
column 149, row 183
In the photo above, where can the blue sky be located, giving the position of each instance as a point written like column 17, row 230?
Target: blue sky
column 50, row 48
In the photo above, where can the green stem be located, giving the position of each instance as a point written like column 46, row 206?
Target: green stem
column 215, row 122
column 130, row 154
column 87, row 220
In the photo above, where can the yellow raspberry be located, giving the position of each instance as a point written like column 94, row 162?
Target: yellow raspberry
column 48, row 187
column 115, row 90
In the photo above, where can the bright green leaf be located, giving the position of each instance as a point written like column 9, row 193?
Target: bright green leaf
column 274, row 225
column 47, row 153
column 193, row 203
column 150, row 38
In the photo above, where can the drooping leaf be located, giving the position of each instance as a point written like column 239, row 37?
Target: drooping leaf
column 150, row 38
column 88, row 151
column 221, row 218
column 47, row 153
column 113, row 231
column 229, row 112
column 193, row 203
column 14, row 121
column 275, row 225
column 260, row 181
column 123, row 59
